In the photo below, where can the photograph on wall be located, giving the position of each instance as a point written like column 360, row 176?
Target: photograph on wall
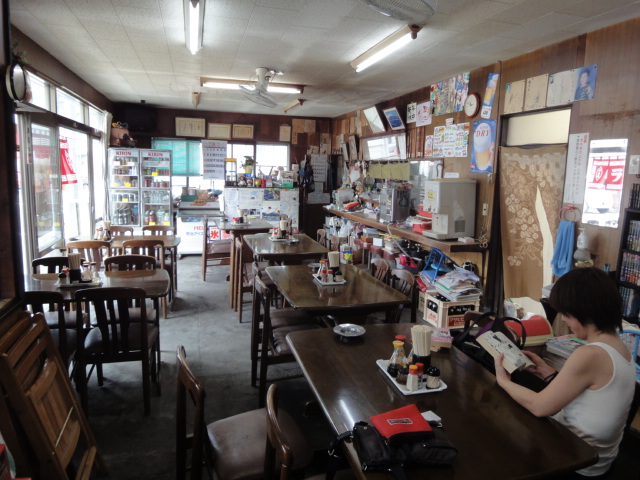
column 483, row 148
column 585, row 81
column 514, row 97
column 489, row 95
column 560, row 89
column 394, row 119
column 423, row 114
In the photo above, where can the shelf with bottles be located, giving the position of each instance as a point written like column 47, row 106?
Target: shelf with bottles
column 125, row 213
column 156, row 216
column 156, row 197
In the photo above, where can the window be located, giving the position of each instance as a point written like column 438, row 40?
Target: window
column 272, row 156
column 69, row 106
column 186, row 159
column 40, row 96
column 96, row 119
column 239, row 151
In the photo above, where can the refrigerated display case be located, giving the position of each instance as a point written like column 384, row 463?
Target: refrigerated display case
column 190, row 225
column 139, row 187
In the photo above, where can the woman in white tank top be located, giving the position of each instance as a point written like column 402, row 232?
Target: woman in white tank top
column 592, row 393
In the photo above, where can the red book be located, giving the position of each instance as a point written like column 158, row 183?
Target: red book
column 538, row 330
column 403, row 424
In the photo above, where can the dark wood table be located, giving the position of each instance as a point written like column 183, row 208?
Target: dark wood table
column 361, row 294
column 254, row 225
column 283, row 251
column 156, row 283
column 496, row 438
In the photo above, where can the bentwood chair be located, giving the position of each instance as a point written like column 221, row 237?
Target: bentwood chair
column 91, row 250
column 49, row 264
column 39, row 397
column 233, row 447
column 61, row 322
column 405, row 282
column 281, row 460
column 158, row 230
column 116, row 338
column 120, row 231
column 380, row 269
column 169, row 260
column 321, row 237
column 271, row 328
column 214, row 252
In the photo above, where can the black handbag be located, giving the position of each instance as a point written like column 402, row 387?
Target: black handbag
column 466, row 342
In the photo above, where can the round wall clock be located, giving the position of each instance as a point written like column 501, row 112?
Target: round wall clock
column 16, row 82
column 472, row 105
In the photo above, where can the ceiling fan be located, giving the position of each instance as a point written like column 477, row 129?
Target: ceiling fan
column 257, row 93
column 411, row 11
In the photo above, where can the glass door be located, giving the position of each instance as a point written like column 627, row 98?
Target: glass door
column 76, row 195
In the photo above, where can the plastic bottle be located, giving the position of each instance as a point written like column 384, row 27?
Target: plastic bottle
column 398, row 359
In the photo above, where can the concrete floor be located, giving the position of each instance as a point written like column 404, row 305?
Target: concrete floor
column 136, row 447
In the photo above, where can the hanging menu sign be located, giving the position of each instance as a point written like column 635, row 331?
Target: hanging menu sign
column 213, row 154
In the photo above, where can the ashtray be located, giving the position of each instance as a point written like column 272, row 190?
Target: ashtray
column 349, row 330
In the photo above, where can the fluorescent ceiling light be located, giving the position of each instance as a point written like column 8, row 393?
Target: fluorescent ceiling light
column 296, row 103
column 386, row 47
column 193, row 24
column 226, row 84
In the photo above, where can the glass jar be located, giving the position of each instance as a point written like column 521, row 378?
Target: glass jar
column 398, row 359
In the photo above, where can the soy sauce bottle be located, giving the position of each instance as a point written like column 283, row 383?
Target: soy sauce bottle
column 398, row 360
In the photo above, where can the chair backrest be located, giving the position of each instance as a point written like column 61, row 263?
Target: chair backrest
column 113, row 318
column 158, row 230
column 405, row 282
column 51, row 264
column 279, row 454
column 321, row 237
column 35, row 380
column 151, row 248
column 380, row 269
column 130, row 262
column 41, row 301
column 188, row 383
column 91, row 250
column 334, row 243
column 120, row 230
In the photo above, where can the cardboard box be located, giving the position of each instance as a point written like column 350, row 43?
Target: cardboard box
column 442, row 313
column 421, row 298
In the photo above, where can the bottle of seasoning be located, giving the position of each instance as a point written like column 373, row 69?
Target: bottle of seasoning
column 397, row 360
column 413, row 382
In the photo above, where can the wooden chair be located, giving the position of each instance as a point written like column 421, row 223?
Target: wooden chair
column 321, row 237
column 380, row 269
column 233, row 447
column 151, row 248
column 34, row 380
column 169, row 259
column 120, row 231
column 276, row 324
column 214, row 252
column 334, row 243
column 117, row 338
column 404, row 282
column 242, row 274
column 280, row 460
column 91, row 250
column 50, row 264
column 61, row 322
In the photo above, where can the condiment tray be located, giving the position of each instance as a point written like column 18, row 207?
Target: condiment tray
column 327, row 284
column 383, row 364
column 79, row 284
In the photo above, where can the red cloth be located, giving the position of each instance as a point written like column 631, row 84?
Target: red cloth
column 402, row 420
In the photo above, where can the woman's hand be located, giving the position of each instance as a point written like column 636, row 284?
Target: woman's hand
column 541, row 367
column 501, row 373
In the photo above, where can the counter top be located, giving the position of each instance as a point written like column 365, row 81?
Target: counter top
column 445, row 246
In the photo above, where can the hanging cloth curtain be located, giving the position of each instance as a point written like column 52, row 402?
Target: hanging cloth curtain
column 531, row 185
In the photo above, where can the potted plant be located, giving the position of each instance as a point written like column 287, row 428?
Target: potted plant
column 248, row 164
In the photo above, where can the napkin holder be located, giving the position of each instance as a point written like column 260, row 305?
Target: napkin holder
column 75, row 275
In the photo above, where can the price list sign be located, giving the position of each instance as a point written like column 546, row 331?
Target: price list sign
column 213, row 154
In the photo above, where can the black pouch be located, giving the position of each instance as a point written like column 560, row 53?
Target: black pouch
column 373, row 451
column 434, row 451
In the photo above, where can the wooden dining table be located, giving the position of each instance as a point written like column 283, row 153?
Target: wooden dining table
column 495, row 437
column 295, row 249
column 239, row 230
column 361, row 294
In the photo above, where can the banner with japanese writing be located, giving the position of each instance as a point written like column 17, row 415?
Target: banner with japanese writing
column 213, row 154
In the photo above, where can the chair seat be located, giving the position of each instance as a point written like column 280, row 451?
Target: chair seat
column 72, row 342
column 239, row 444
column 280, row 345
column 93, row 340
column 69, row 319
column 287, row 317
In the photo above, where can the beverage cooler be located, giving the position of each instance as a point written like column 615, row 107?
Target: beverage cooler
column 139, row 190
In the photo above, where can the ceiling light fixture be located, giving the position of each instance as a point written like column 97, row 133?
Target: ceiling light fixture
column 227, row 84
column 296, row 103
column 386, row 47
column 193, row 24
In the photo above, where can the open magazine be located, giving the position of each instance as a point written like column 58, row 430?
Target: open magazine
column 496, row 343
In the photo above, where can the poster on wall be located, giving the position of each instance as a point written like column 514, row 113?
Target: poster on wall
column 462, row 140
column 423, row 114
column 213, row 154
column 411, row 113
column 449, row 95
column 438, row 141
column 535, row 96
column 428, row 146
column 576, row 173
column 585, row 81
column 489, row 95
column 514, row 97
column 560, row 89
column 483, row 149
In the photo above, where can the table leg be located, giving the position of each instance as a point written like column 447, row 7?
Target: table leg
column 232, row 275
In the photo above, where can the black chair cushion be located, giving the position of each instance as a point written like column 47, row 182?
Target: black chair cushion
column 279, row 341
column 93, row 340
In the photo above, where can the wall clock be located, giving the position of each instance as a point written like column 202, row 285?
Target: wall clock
column 472, row 105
